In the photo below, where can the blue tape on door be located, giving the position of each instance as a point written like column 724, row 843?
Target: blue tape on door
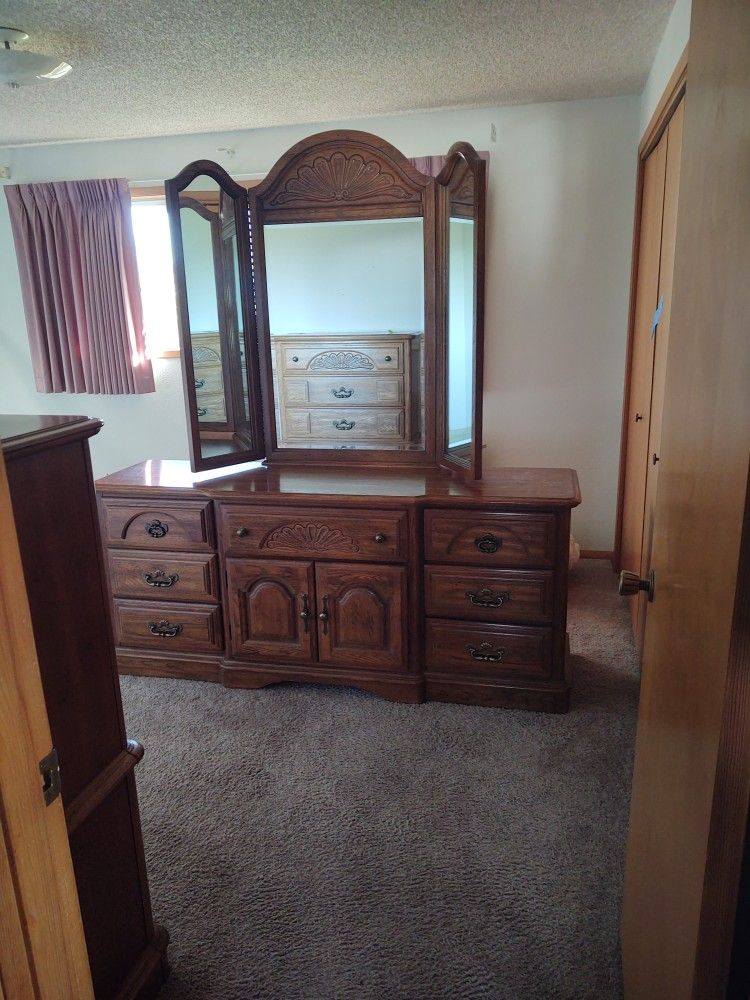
column 657, row 315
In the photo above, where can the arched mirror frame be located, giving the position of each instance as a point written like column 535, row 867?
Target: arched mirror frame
column 304, row 187
column 251, row 438
column 462, row 162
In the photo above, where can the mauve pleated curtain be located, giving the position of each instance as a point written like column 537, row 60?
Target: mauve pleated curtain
column 432, row 165
column 79, row 278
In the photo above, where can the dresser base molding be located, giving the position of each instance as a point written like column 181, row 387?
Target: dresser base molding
column 394, row 687
column 184, row 666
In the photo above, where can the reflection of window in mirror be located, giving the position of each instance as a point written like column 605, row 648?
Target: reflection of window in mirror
column 346, row 317
column 153, row 249
column 460, row 331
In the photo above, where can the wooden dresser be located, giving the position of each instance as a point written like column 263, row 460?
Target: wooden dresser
column 348, row 388
column 51, row 487
column 413, row 584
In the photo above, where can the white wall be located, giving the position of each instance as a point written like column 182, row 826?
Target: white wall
column 460, row 330
column 673, row 41
column 560, row 209
column 345, row 277
column 200, row 276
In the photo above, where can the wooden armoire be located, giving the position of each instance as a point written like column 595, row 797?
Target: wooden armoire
column 92, row 761
column 650, row 310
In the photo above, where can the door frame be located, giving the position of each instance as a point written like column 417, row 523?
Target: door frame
column 670, row 99
column 42, row 945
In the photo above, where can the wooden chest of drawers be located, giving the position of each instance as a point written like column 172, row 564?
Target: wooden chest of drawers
column 361, row 388
column 487, row 626
column 209, row 379
column 411, row 585
column 165, row 581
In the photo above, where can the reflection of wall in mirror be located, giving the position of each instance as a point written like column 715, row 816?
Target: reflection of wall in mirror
column 460, row 330
column 345, row 277
column 199, row 271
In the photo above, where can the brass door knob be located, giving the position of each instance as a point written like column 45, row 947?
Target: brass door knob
column 631, row 584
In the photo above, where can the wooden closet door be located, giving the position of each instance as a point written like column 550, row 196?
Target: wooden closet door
column 642, row 361
column 673, row 136
column 363, row 609
column 271, row 609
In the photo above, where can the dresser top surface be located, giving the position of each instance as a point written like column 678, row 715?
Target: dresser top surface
column 521, row 487
column 18, row 431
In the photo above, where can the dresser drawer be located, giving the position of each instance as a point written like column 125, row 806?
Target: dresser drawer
column 350, row 424
column 355, row 358
column 182, row 525
column 488, row 595
column 191, row 628
column 208, row 379
column 488, row 650
column 490, row 539
column 211, row 407
column 173, row 576
column 313, row 532
column 353, row 391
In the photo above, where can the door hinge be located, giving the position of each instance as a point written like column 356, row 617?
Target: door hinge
column 49, row 768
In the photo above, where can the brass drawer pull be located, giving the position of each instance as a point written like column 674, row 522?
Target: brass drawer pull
column 379, row 538
column 305, row 613
column 164, row 628
column 157, row 529
column 342, row 393
column 344, row 425
column 242, row 532
column 488, row 543
column 388, row 357
column 487, row 652
column 324, row 616
column 158, row 578
column 487, row 598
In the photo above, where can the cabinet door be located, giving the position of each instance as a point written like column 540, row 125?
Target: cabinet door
column 361, row 615
column 271, row 609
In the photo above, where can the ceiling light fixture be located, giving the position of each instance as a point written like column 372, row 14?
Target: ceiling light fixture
column 19, row 67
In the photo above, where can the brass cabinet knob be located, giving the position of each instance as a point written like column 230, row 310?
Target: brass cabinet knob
column 631, row 584
column 379, row 538
column 242, row 532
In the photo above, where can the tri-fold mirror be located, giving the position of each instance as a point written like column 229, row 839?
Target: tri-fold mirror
column 333, row 312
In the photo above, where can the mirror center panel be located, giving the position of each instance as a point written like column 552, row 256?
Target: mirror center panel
column 346, row 318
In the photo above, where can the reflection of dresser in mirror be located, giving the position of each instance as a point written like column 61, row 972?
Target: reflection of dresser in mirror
column 353, row 389
column 209, row 378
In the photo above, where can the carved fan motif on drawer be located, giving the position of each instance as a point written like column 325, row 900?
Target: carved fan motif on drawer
column 339, row 177
column 204, row 355
column 311, row 537
column 338, row 360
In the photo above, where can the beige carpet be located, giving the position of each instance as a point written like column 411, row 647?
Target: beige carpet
column 311, row 843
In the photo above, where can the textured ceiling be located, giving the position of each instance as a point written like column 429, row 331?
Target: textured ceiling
column 154, row 67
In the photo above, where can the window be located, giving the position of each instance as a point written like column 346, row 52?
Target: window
column 153, row 251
